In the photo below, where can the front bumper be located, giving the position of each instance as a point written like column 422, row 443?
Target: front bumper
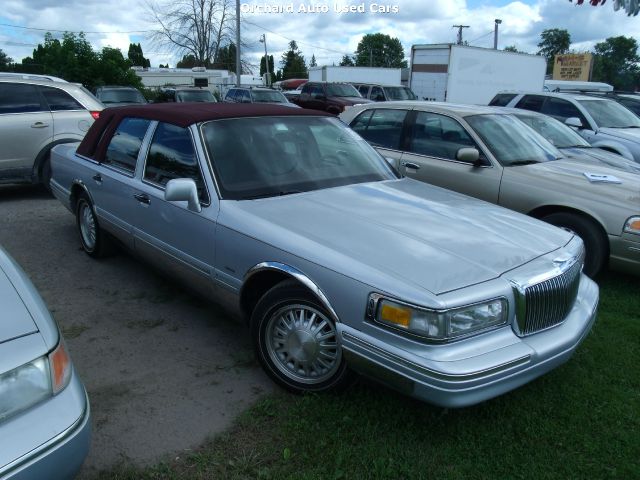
column 481, row 368
column 62, row 454
column 625, row 253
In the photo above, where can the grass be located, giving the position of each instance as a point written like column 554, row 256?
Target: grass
column 580, row 421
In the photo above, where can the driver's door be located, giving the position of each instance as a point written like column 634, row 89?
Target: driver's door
column 430, row 156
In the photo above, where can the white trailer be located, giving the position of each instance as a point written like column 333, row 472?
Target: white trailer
column 383, row 76
column 471, row 75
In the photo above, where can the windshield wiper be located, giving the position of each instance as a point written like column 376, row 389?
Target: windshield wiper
column 522, row 162
column 272, row 194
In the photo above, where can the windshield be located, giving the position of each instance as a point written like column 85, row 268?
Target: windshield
column 121, row 96
column 557, row 133
column 268, row 96
column 607, row 113
column 399, row 93
column 195, row 96
column 342, row 90
column 510, row 141
column 270, row 156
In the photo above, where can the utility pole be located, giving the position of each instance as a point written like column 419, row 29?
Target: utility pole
column 263, row 39
column 238, row 66
column 495, row 33
column 460, row 27
column 370, row 57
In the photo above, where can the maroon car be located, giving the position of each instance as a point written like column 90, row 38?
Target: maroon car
column 329, row 97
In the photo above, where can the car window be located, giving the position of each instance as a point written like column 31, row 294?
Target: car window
column 120, row 95
column 607, row 113
column 632, row 105
column 360, row 123
column 19, row 98
column 194, row 96
column 562, row 109
column 531, row 102
column 231, row 95
column 384, row 128
column 171, row 155
column 399, row 93
column 268, row 96
column 438, row 136
column 270, row 156
column 502, row 99
column 553, row 130
column 364, row 90
column 59, row 100
column 125, row 144
column 342, row 90
column 316, row 91
column 243, row 96
column 377, row 94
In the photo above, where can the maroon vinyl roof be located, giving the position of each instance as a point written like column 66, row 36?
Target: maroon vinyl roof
column 182, row 115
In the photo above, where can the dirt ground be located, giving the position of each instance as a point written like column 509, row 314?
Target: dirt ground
column 164, row 369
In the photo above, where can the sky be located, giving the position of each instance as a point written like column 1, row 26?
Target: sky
column 326, row 35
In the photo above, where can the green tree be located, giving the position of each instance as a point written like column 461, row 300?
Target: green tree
column 554, row 41
column 313, row 62
column 5, row 61
column 293, row 63
column 380, row 50
column 263, row 68
column 112, row 68
column 616, row 62
column 187, row 61
column 136, row 57
column 347, row 61
column 512, row 48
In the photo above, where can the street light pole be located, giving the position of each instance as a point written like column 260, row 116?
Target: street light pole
column 263, row 39
column 238, row 67
column 495, row 33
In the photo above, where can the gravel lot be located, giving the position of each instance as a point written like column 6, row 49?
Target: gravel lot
column 163, row 368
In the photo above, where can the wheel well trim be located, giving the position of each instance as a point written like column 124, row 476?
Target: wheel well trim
column 42, row 154
column 295, row 274
column 78, row 183
column 544, row 210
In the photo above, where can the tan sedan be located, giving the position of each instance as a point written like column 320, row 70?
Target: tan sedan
column 493, row 156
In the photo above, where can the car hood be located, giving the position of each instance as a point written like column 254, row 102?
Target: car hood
column 351, row 100
column 629, row 134
column 587, row 154
column 15, row 320
column 573, row 173
column 401, row 231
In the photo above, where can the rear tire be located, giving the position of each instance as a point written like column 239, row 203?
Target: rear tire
column 93, row 239
column 595, row 242
column 296, row 341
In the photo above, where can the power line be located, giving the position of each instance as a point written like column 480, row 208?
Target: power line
column 66, row 31
column 481, row 36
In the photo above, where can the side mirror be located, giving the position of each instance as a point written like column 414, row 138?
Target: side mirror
column 574, row 122
column 183, row 190
column 468, row 155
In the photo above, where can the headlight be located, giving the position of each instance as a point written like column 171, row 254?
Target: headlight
column 632, row 225
column 440, row 325
column 33, row 382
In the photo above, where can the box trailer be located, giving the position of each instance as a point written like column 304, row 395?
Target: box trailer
column 383, row 76
column 472, row 75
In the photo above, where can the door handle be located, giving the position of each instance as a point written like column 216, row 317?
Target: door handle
column 39, row 125
column 97, row 177
column 142, row 198
column 415, row 166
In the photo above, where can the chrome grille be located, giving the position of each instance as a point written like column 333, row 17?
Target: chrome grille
column 548, row 303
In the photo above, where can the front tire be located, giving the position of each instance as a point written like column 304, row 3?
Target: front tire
column 93, row 240
column 595, row 243
column 296, row 340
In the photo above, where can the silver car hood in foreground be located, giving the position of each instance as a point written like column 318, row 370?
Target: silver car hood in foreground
column 629, row 134
column 403, row 230
column 15, row 320
column 571, row 173
column 605, row 158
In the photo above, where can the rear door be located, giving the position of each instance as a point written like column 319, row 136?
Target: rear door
column 71, row 120
column 26, row 127
column 112, row 180
column 430, row 156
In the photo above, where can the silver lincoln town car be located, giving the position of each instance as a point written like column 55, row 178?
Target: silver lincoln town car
column 290, row 219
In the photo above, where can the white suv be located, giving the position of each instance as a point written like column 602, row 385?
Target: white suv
column 602, row 122
column 35, row 115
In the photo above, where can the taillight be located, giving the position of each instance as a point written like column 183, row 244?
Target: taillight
column 95, row 114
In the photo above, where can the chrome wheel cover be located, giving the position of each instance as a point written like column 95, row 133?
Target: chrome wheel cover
column 87, row 223
column 302, row 343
